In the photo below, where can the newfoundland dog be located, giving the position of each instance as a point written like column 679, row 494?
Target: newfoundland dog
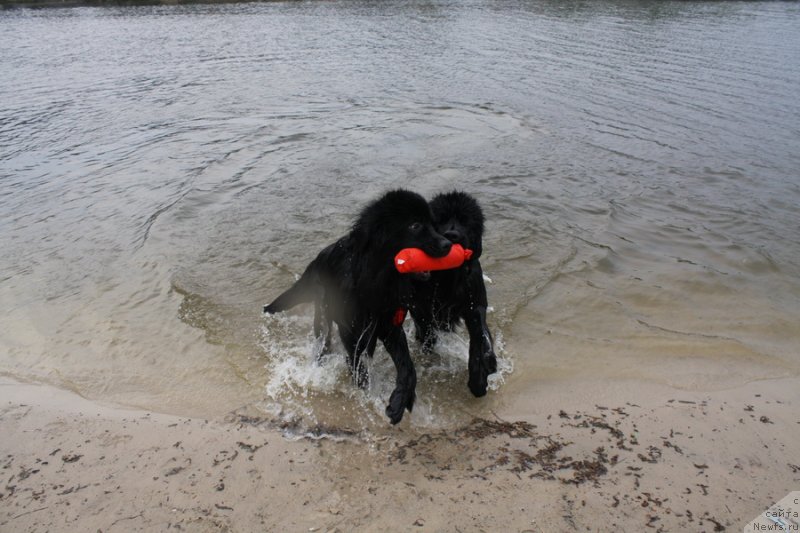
column 354, row 283
column 452, row 295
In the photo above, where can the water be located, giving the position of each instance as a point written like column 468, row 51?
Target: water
column 165, row 171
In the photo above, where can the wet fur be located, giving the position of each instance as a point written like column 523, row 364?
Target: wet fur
column 354, row 284
column 458, row 294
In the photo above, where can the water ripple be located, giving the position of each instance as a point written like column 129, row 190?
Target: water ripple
column 637, row 164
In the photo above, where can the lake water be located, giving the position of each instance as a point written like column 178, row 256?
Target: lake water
column 165, row 171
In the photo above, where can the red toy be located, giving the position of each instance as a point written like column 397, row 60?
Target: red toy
column 415, row 260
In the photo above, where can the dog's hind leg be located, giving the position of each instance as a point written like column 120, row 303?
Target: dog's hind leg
column 356, row 346
column 360, row 372
column 404, row 393
column 366, row 345
column 322, row 324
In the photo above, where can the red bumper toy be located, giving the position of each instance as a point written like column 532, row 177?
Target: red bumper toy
column 410, row 260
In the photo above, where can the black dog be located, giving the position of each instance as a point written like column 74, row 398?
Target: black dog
column 354, row 283
column 452, row 295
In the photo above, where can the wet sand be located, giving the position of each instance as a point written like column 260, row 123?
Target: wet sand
column 626, row 456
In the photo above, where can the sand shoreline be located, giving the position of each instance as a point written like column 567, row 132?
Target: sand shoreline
column 669, row 460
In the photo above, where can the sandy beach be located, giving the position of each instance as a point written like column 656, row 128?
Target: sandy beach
column 627, row 457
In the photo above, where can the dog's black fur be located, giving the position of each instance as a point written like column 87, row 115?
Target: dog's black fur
column 452, row 295
column 354, row 283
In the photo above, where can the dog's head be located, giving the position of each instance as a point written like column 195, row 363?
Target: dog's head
column 459, row 218
column 398, row 219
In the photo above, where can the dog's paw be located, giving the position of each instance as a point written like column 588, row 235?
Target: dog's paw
column 478, row 382
column 400, row 400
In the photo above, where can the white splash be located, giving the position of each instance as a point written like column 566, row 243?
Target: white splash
column 298, row 385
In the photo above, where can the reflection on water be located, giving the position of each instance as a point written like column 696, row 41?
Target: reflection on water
column 164, row 171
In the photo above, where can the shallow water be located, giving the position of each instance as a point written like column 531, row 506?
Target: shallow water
column 165, row 171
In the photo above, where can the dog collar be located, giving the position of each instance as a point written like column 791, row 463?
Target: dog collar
column 399, row 316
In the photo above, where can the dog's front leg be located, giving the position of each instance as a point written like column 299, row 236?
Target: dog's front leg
column 404, row 393
column 482, row 360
